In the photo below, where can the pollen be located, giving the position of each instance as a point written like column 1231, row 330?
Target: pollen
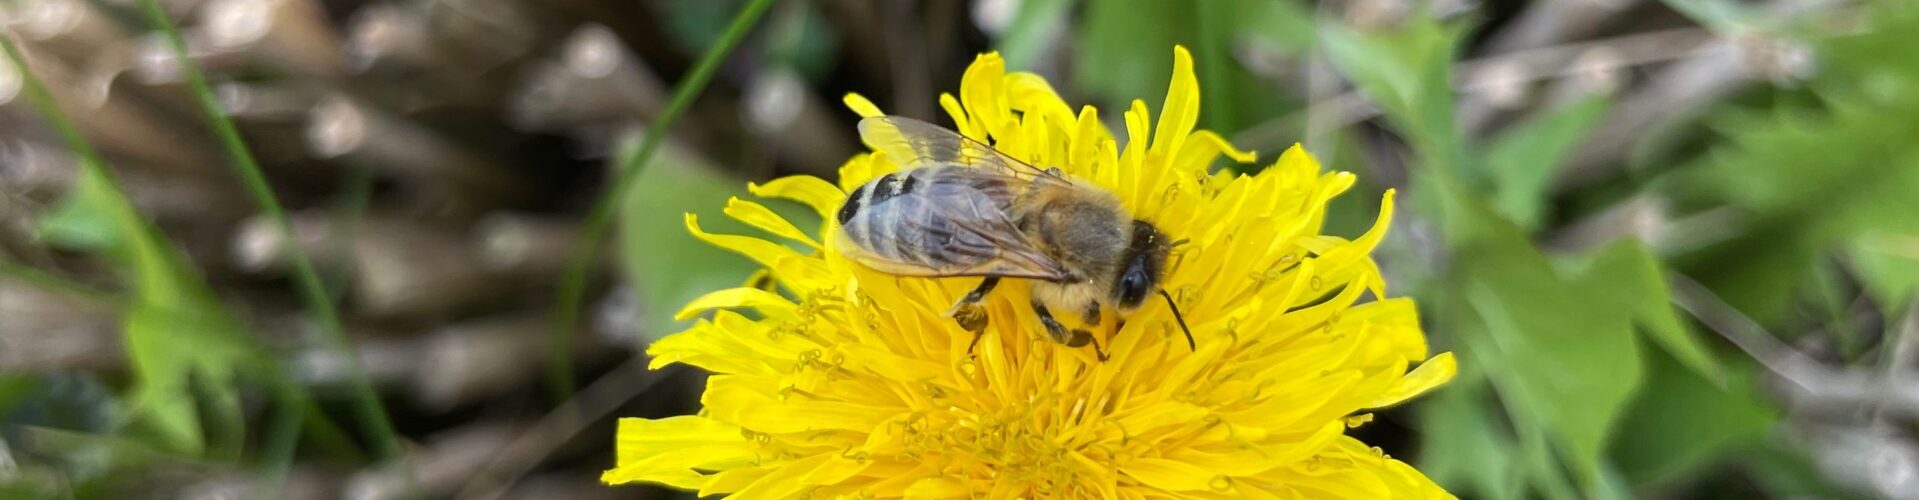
column 838, row 381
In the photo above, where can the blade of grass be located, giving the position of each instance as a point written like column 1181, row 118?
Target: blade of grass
column 599, row 221
column 356, row 195
column 151, row 267
column 371, row 415
column 146, row 242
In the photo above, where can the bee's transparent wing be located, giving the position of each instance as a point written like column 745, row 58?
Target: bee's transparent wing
column 945, row 228
column 913, row 144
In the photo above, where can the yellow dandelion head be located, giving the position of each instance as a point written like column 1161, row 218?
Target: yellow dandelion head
column 845, row 382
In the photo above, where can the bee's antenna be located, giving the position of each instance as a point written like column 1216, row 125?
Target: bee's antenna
column 1176, row 244
column 1181, row 319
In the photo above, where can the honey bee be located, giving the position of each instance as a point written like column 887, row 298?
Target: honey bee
column 960, row 208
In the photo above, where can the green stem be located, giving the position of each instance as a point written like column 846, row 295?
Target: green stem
column 356, row 195
column 600, row 220
column 371, row 415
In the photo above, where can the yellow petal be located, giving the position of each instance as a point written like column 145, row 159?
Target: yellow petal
column 757, row 215
column 1086, row 140
column 729, row 481
column 1181, row 110
column 750, row 401
column 938, row 487
column 983, row 91
column 1202, row 147
column 767, row 253
column 860, row 105
column 965, row 124
column 862, row 168
column 1161, row 414
column 783, row 482
column 1433, row 373
column 812, row 191
column 762, row 300
column 1029, row 93
column 666, row 450
column 1170, row 475
column 712, row 348
column 1343, row 259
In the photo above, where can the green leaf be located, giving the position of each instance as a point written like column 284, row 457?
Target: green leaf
column 1523, row 159
column 668, row 264
column 1408, row 72
column 1809, row 177
column 172, row 351
column 1034, row 26
column 175, row 328
column 1280, row 24
column 1572, row 365
column 1126, row 48
column 1682, row 422
column 83, row 220
column 1465, row 448
column 14, row 389
column 1629, row 277
column 1563, row 358
column 1888, row 265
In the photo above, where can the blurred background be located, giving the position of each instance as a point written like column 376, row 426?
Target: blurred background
column 1675, row 242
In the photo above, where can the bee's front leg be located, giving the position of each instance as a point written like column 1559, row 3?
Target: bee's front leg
column 1059, row 333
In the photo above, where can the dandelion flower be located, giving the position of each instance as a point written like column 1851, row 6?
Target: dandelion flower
column 844, row 382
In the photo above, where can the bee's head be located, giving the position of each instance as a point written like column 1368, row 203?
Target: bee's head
column 1142, row 267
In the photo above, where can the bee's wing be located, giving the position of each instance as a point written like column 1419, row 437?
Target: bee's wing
column 912, row 144
column 946, row 227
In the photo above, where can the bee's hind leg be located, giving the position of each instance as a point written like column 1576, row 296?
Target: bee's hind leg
column 968, row 313
column 1059, row 333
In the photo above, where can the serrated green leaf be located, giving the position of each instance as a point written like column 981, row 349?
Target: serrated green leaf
column 175, row 328
column 1522, row 160
column 1810, row 177
column 1627, row 275
column 1563, row 358
column 1572, row 365
column 1683, row 421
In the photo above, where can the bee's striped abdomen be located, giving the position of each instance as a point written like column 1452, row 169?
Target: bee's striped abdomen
column 926, row 217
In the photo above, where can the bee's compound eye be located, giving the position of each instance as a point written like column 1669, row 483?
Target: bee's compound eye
column 1133, row 286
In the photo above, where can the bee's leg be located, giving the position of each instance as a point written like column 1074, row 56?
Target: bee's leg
column 1059, row 333
column 1083, row 337
column 1053, row 329
column 1091, row 315
column 973, row 297
column 967, row 312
